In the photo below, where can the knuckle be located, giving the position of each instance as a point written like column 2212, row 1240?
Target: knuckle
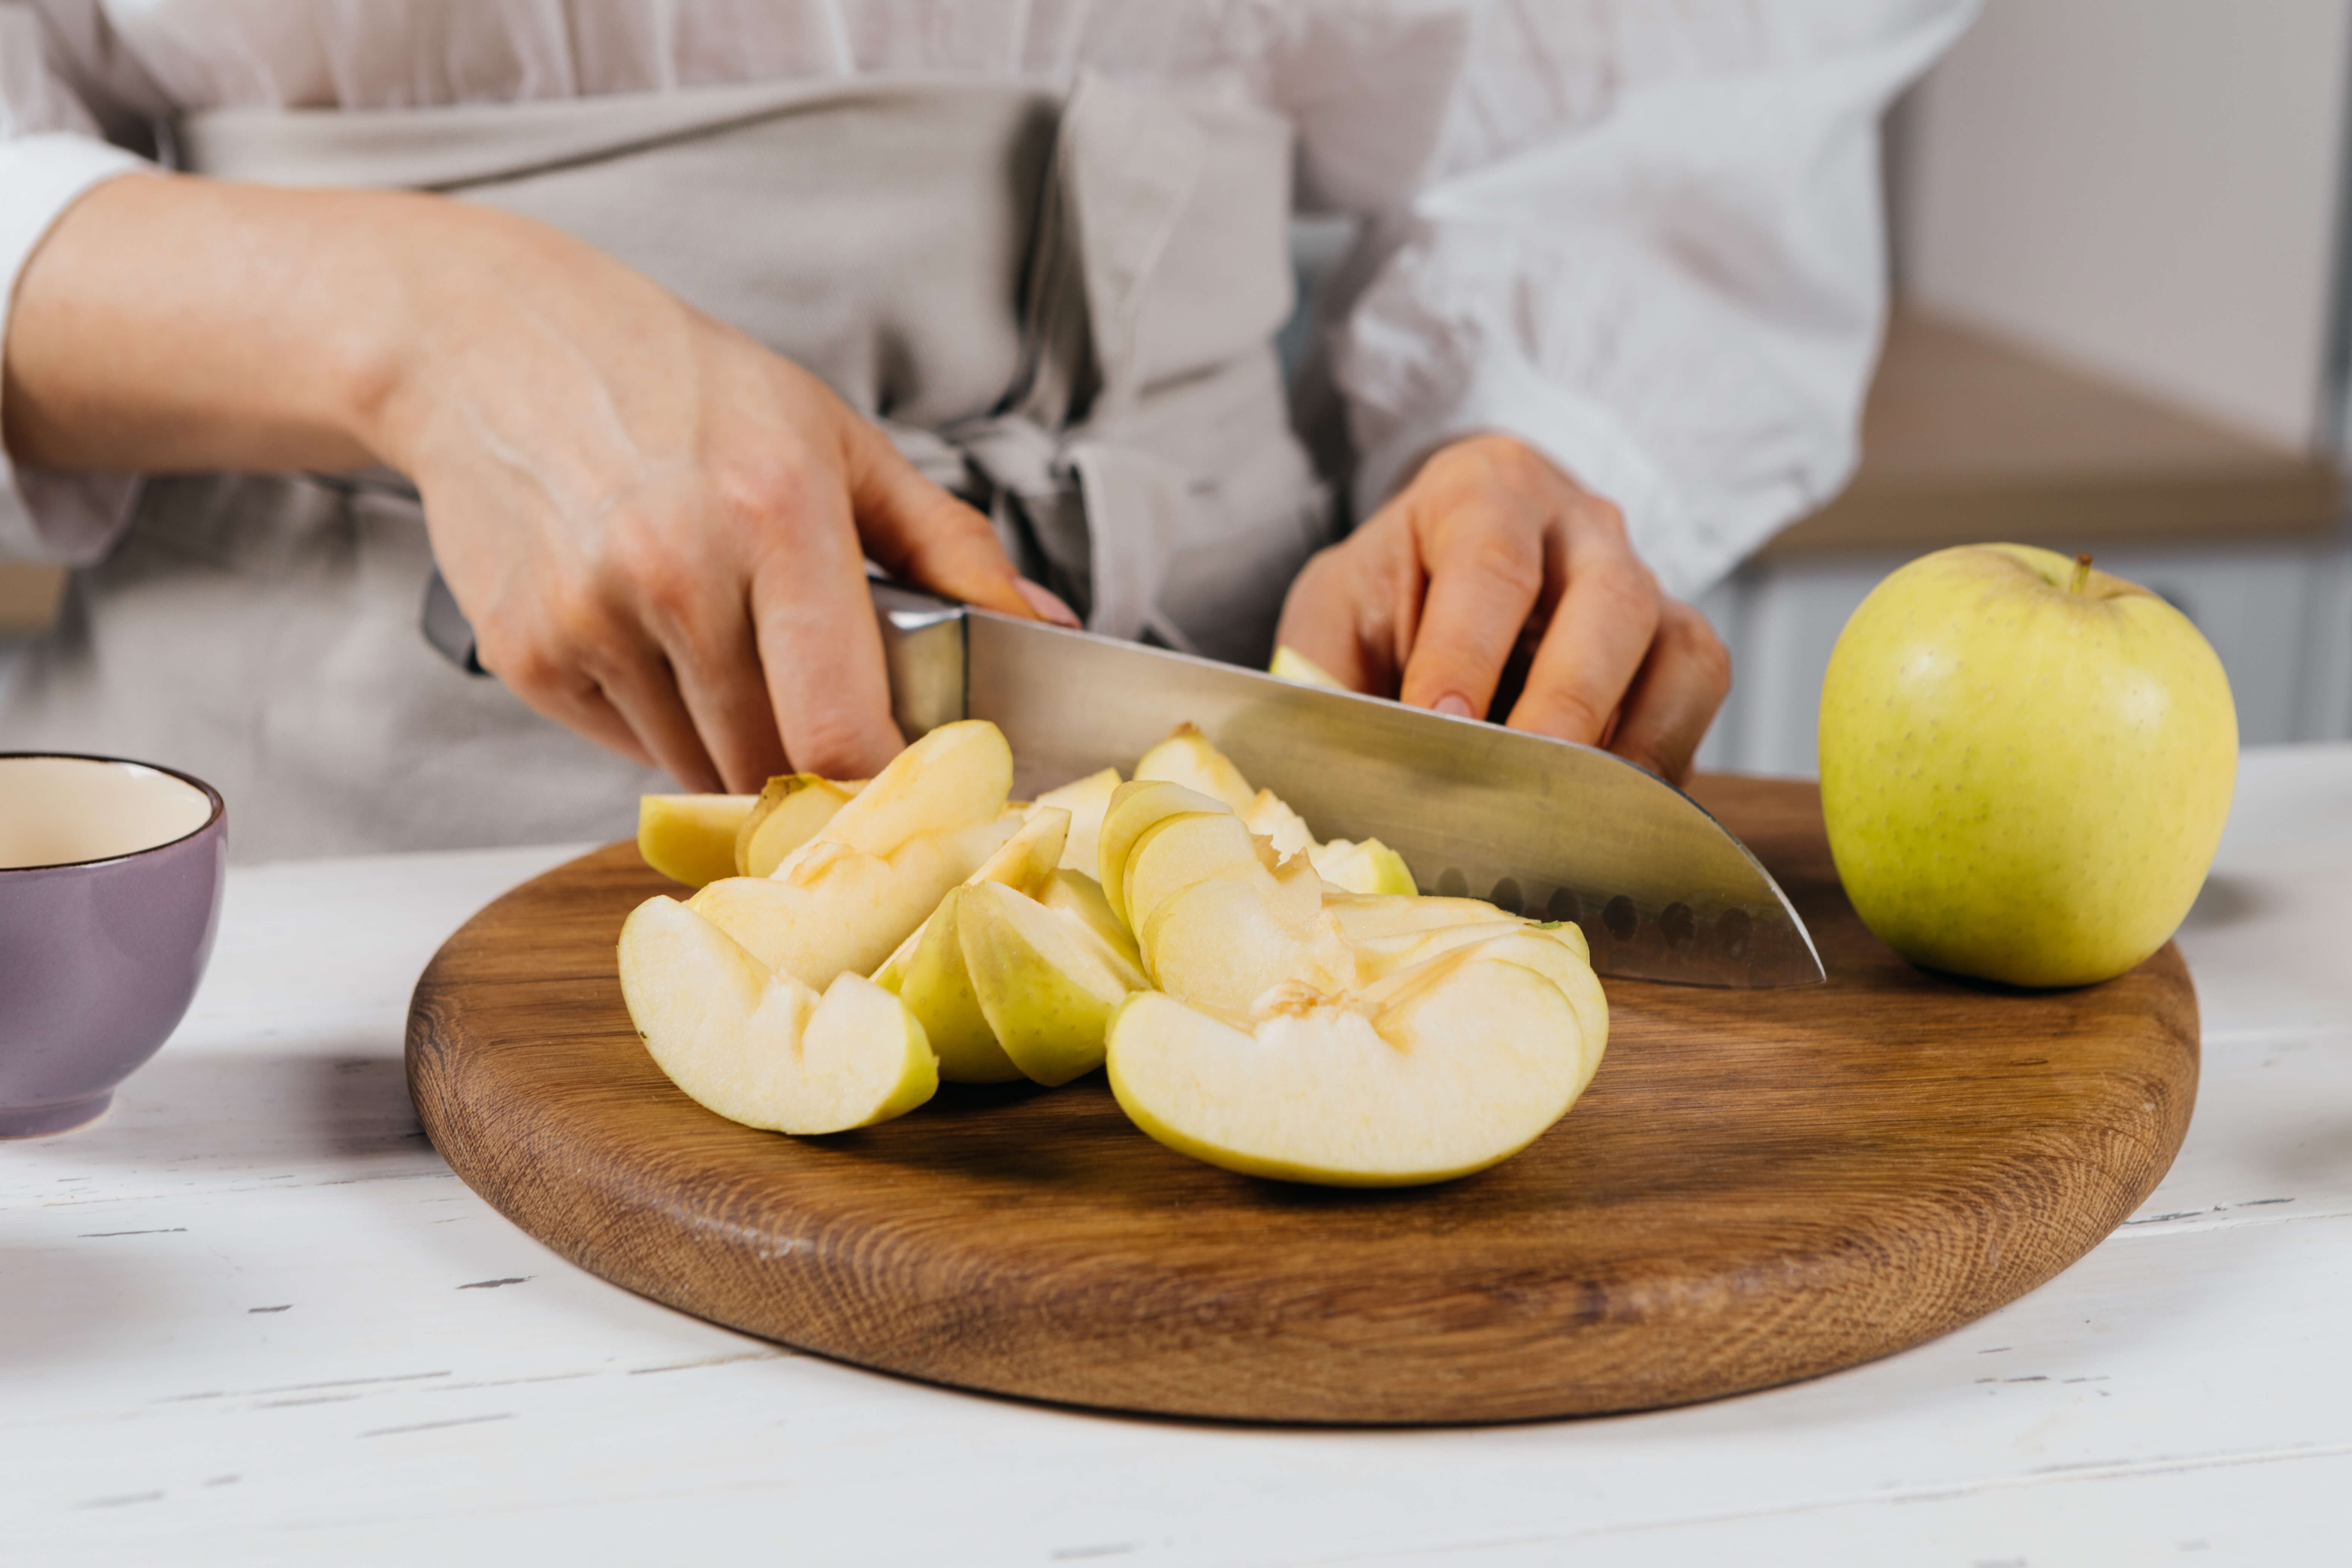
column 832, row 746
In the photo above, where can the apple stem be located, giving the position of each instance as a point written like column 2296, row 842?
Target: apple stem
column 2082, row 572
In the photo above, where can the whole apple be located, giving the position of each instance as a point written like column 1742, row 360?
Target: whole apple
column 2025, row 765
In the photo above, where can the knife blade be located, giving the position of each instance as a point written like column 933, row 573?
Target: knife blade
column 1556, row 830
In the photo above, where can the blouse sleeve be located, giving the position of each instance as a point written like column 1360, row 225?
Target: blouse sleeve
column 1666, row 275
column 51, row 156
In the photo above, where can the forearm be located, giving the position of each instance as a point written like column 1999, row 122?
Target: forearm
column 184, row 324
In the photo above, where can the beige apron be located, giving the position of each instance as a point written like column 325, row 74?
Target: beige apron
column 1059, row 305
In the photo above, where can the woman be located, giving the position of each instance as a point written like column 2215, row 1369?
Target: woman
column 675, row 315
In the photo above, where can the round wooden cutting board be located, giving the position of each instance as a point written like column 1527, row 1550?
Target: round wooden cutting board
column 1759, row 1185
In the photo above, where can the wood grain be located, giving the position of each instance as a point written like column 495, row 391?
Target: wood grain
column 1758, row 1187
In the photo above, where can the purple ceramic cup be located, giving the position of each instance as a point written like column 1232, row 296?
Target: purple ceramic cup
column 110, row 893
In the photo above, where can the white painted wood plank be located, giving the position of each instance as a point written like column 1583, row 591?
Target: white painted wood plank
column 2196, row 1350
column 156, row 1404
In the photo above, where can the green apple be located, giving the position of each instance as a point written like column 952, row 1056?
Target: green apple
column 2025, row 765
column 691, row 838
column 1085, row 800
column 792, row 810
column 1428, row 1074
column 1369, row 867
column 1046, row 983
column 762, row 1048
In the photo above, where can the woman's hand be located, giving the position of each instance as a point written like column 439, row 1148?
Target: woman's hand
column 1492, row 559
column 657, row 527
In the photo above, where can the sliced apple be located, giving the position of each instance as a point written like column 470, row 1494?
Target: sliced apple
column 1271, row 819
column 1429, row 1076
column 690, row 838
column 1362, row 917
column 1135, row 806
column 831, row 908
column 1080, row 896
column 1368, row 867
column 1046, row 983
column 1292, row 665
column 928, row 969
column 1176, row 852
column 1186, row 757
column 1085, row 800
column 761, row 1047
column 1223, row 943
column 792, row 810
column 958, row 775
column 1027, row 861
column 938, row 990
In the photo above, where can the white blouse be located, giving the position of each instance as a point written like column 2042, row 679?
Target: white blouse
column 1643, row 237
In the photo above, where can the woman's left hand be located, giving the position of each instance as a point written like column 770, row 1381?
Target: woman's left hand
column 1491, row 551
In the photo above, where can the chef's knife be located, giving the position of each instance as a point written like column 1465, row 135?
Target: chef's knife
column 1556, row 830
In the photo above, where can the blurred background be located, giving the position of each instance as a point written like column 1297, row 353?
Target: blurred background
column 2123, row 296
column 2123, row 324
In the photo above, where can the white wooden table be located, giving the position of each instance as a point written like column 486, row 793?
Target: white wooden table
column 252, row 1318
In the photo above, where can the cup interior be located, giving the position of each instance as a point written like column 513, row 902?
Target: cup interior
column 61, row 810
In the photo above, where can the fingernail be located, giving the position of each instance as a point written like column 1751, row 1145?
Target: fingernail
column 1454, row 703
column 1048, row 605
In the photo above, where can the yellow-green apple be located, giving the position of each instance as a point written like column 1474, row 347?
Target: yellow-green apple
column 1429, row 1073
column 792, row 810
column 690, row 838
column 1046, row 983
column 927, row 972
column 762, row 1048
column 846, row 898
column 2026, row 764
column 1085, row 800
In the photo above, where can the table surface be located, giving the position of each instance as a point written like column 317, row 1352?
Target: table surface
column 252, row 1318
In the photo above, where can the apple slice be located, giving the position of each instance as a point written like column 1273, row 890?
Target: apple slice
column 792, row 810
column 1448, row 1074
column 1221, row 944
column 937, row 991
column 958, row 775
column 1363, row 917
column 831, row 908
column 927, row 970
column 1186, row 757
column 1176, row 852
column 1271, row 819
column 1027, row 861
column 761, row 1047
column 1369, row 867
column 1292, row 665
column 1080, row 896
column 1085, row 800
column 690, row 838
column 1135, row 806
column 1045, row 982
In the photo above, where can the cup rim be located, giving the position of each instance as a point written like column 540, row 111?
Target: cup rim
column 212, row 817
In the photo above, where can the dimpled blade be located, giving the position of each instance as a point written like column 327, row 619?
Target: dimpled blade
column 1541, row 827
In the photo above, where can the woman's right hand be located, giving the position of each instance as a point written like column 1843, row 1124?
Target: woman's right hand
column 658, row 528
